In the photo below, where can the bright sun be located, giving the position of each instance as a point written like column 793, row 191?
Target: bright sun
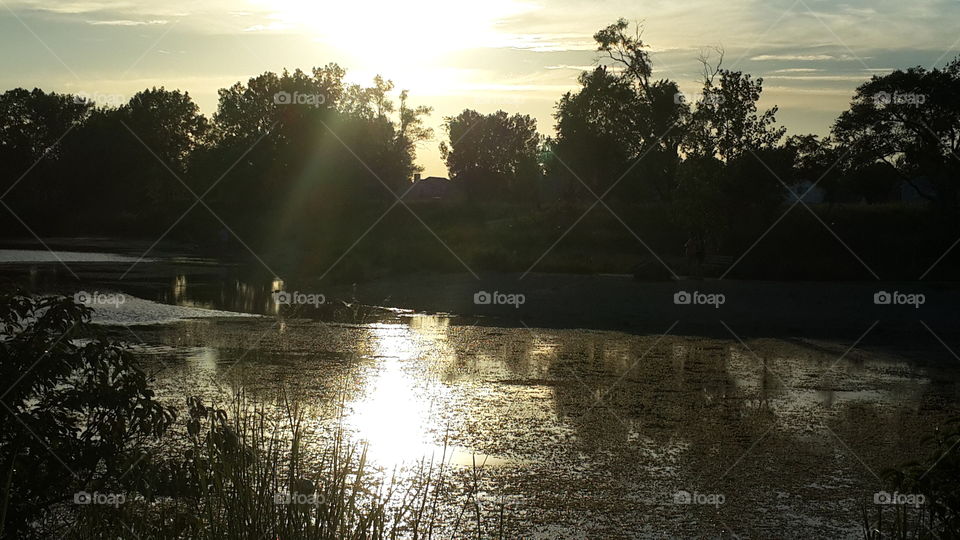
column 396, row 33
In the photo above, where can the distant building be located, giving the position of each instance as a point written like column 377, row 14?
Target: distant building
column 434, row 188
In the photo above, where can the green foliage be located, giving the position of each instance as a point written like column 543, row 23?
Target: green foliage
column 597, row 132
column 76, row 416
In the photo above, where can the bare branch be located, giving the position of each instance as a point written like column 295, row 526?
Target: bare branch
column 710, row 71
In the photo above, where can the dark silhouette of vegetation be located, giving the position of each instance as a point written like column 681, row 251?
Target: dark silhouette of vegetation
column 931, row 483
column 910, row 122
column 290, row 162
column 494, row 155
column 78, row 416
column 88, row 451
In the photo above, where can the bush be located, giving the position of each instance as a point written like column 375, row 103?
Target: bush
column 76, row 416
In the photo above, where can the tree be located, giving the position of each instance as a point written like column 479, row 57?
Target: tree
column 726, row 123
column 627, row 51
column 910, row 122
column 621, row 122
column 597, row 133
column 35, row 127
column 494, row 155
column 122, row 165
column 410, row 132
column 247, row 111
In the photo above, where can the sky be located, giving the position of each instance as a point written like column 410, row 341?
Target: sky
column 515, row 55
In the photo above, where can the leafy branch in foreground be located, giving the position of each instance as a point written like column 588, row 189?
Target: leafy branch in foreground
column 924, row 501
column 76, row 414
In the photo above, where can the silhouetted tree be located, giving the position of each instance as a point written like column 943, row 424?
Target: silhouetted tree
column 34, row 127
column 621, row 126
column 726, row 122
column 909, row 121
column 596, row 133
column 123, row 164
column 494, row 155
column 305, row 145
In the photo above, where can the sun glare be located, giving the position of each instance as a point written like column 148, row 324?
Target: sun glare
column 406, row 33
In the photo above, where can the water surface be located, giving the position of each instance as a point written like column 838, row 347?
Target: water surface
column 586, row 433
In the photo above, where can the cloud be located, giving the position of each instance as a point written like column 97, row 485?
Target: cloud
column 817, row 77
column 793, row 57
column 547, row 42
column 127, row 22
column 571, row 67
column 274, row 26
column 796, row 70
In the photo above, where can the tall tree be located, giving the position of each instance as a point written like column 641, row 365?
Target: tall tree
column 726, row 122
column 622, row 126
column 910, row 122
column 35, row 127
column 494, row 155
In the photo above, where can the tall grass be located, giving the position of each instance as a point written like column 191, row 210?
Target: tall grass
column 260, row 472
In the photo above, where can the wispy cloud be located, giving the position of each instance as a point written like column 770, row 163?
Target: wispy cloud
column 585, row 67
column 126, row 22
column 817, row 77
column 793, row 57
column 796, row 70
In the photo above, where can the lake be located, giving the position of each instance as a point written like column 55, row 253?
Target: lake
column 578, row 432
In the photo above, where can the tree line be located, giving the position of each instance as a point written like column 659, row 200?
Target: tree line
column 283, row 148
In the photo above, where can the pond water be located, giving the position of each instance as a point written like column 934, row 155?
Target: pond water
column 589, row 433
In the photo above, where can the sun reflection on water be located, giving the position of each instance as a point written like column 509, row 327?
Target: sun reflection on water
column 393, row 416
column 396, row 415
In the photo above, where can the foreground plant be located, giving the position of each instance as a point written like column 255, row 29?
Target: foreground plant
column 924, row 496
column 76, row 413
column 255, row 471
column 88, row 452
